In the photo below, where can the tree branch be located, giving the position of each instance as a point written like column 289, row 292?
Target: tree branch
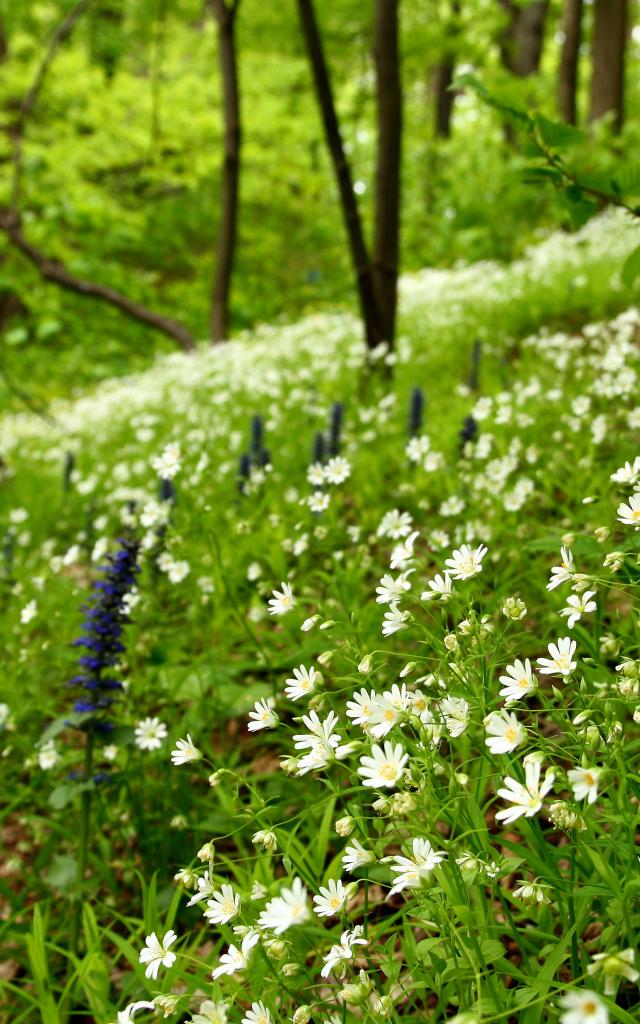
column 53, row 270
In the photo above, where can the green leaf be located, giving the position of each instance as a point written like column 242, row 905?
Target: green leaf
column 631, row 268
column 62, row 873
column 556, row 134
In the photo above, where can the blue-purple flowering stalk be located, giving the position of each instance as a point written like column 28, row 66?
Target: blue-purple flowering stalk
column 318, row 453
column 469, row 432
column 476, row 358
column 416, row 411
column 335, row 428
column 106, row 615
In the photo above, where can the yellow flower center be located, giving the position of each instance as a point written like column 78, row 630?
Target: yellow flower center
column 389, row 770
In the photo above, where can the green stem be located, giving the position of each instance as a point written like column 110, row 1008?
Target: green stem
column 83, row 843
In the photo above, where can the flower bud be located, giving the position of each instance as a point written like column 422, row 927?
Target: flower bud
column 408, row 669
column 365, row 665
column 563, row 816
column 290, row 970
column 265, row 841
column 601, row 533
column 345, row 826
column 215, row 779
column 206, row 852
column 275, row 949
column 166, row 1004
column 514, row 608
column 302, row 1015
column 324, row 658
column 356, row 992
column 383, row 1006
column 451, row 642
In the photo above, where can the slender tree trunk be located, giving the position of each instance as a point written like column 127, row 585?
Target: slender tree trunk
column 443, row 97
column 227, row 232
column 568, row 68
column 387, row 200
column 359, row 256
column 522, row 40
column 609, row 44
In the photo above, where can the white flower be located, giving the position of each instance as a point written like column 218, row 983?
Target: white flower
column 288, row 909
column 28, row 613
column 412, row 870
column 150, row 733
column 629, row 514
column 344, row 950
column 614, row 965
column 223, row 905
column 395, row 620
column 584, row 783
column 385, row 766
column 282, row 601
column 395, row 524
column 577, row 606
column 331, row 899
column 318, row 501
column 258, row 1014
column 518, row 682
column 361, row 708
column 582, row 1006
column 527, row 799
column 627, row 474
column 403, row 553
column 185, row 751
column 505, row 732
column 316, row 474
column 303, row 684
column 388, row 709
column 126, row 1016
column 48, row 756
column 235, row 959
column 156, row 953
column 465, row 562
column 263, row 716
column 391, row 591
column 440, row 588
column 455, row 711
column 205, row 890
column 167, row 465
column 210, row 1013
column 337, row 470
column 560, row 663
column 563, row 572
column 355, row 856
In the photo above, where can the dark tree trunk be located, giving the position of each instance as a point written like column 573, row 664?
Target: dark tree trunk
column 387, row 200
column 227, row 232
column 568, row 68
column 444, row 98
column 609, row 43
column 522, row 40
column 359, row 256
column 3, row 42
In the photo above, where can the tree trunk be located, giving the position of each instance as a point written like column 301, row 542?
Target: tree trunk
column 568, row 68
column 387, row 200
column 227, row 232
column 444, row 98
column 522, row 40
column 359, row 256
column 608, row 48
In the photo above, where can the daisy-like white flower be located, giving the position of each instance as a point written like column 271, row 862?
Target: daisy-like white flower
column 156, row 954
column 629, row 513
column 263, row 716
column 440, row 589
column 167, row 465
column 584, row 783
column 518, row 682
column 455, row 712
column 395, row 620
column 316, row 474
column 403, row 553
column 337, row 470
column 282, row 601
column 303, row 684
column 185, row 751
column 411, row 871
column 577, row 606
column 331, row 899
column 223, row 905
column 355, row 856
column 417, row 448
column 525, row 800
column 581, row 1006
column 385, row 766
column 391, row 591
column 614, row 965
column 205, row 890
column 48, row 756
column 361, row 708
column 28, row 613
column 288, row 909
column 343, row 950
column 211, row 1012
column 319, row 501
column 235, row 959
column 258, row 1014
column 395, row 524
column 126, row 1016
column 627, row 474
column 563, row 572
column 149, row 734
column 466, row 562
column 389, row 709
column 560, row 663
column 505, row 732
